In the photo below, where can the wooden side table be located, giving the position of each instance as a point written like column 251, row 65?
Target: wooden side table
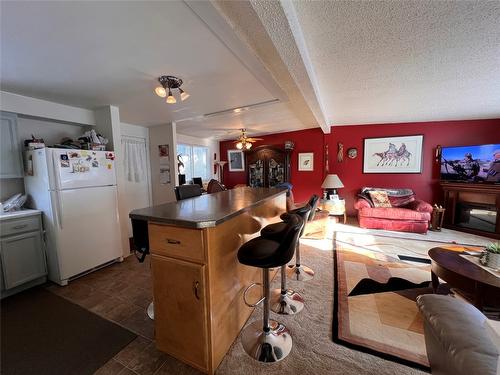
column 335, row 207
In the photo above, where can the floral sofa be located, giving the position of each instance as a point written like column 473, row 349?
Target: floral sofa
column 405, row 213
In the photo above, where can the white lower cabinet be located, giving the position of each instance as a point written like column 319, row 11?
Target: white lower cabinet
column 22, row 254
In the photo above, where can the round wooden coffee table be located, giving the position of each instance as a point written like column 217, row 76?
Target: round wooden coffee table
column 462, row 274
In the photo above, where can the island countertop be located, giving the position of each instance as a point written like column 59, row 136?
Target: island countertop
column 207, row 210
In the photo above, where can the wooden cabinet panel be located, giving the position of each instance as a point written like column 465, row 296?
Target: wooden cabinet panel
column 180, row 310
column 22, row 259
column 176, row 242
column 10, row 155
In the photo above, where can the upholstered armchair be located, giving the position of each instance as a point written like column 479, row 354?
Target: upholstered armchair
column 406, row 214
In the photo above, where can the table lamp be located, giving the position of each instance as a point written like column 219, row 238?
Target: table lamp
column 331, row 183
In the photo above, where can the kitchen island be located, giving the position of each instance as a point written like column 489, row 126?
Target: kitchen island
column 198, row 283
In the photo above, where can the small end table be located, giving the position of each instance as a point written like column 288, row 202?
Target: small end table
column 335, row 207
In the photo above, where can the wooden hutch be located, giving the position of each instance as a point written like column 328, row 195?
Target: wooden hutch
column 267, row 166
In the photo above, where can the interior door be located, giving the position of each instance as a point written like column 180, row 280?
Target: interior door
column 179, row 296
column 137, row 185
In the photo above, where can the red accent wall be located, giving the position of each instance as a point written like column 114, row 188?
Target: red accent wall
column 304, row 183
column 350, row 171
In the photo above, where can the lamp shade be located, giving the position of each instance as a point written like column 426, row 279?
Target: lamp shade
column 332, row 181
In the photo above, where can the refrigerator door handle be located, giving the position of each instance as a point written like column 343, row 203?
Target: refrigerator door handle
column 59, row 209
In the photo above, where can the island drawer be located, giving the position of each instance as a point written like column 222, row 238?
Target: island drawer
column 175, row 242
column 19, row 225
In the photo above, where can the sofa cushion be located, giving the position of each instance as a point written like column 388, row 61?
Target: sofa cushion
column 456, row 339
column 394, row 213
column 379, row 198
column 366, row 198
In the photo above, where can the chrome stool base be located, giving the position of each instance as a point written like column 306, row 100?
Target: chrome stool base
column 151, row 311
column 290, row 303
column 300, row 273
column 271, row 346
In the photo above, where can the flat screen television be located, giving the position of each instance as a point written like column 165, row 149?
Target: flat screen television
column 471, row 163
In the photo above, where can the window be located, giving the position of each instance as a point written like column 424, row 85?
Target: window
column 195, row 160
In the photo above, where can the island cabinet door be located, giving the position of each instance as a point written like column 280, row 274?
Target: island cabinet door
column 180, row 310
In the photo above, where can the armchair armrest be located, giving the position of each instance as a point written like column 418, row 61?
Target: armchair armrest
column 419, row 206
column 361, row 203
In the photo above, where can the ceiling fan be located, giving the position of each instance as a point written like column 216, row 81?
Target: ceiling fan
column 244, row 142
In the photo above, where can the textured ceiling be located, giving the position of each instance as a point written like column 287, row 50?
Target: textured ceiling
column 332, row 62
column 90, row 54
column 397, row 61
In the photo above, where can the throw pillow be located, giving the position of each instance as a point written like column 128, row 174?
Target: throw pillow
column 380, row 198
column 401, row 201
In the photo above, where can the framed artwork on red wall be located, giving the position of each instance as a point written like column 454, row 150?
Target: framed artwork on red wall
column 393, row 154
column 306, row 161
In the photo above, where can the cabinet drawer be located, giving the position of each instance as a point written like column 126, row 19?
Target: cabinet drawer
column 175, row 242
column 21, row 225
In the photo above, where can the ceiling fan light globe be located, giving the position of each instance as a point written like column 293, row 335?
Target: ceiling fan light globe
column 160, row 91
column 248, row 146
column 239, row 145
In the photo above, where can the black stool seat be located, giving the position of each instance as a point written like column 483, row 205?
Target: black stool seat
column 276, row 231
column 259, row 252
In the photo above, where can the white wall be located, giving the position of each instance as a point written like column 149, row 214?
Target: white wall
column 213, row 148
column 163, row 135
column 25, row 105
column 108, row 124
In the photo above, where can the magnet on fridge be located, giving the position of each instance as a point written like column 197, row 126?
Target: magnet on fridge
column 110, row 155
column 110, row 165
column 64, row 157
column 73, row 154
column 95, row 164
column 84, row 153
column 64, row 163
column 88, row 158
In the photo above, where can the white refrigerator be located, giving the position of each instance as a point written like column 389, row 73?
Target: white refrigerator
column 76, row 190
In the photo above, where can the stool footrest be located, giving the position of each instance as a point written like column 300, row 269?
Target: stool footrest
column 247, row 289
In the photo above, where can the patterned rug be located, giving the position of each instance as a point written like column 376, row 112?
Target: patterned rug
column 375, row 308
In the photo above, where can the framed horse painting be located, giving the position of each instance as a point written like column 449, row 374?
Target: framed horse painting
column 393, row 154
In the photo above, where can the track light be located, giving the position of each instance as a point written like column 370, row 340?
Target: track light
column 167, row 84
column 184, row 94
column 160, row 91
column 170, row 98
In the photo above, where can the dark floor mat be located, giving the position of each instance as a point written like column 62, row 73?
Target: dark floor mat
column 43, row 333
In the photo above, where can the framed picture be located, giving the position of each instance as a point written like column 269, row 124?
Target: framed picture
column 393, row 154
column 306, row 161
column 236, row 160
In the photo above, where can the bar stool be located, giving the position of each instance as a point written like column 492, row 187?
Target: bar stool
column 269, row 340
column 299, row 272
column 283, row 301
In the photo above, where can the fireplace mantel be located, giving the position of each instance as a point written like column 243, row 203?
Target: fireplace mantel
column 472, row 208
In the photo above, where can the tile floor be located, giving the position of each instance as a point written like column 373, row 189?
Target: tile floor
column 121, row 293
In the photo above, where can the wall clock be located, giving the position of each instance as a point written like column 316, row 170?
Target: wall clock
column 352, row 153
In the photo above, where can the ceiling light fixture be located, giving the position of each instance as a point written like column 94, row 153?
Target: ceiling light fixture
column 167, row 84
column 245, row 142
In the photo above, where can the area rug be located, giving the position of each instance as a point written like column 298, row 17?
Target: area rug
column 375, row 308
column 45, row 334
